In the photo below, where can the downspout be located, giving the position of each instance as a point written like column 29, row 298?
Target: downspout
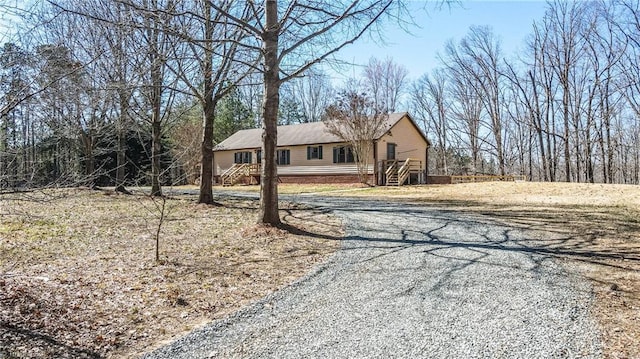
column 213, row 169
column 426, row 165
column 375, row 162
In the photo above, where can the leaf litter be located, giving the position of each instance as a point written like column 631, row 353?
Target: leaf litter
column 78, row 277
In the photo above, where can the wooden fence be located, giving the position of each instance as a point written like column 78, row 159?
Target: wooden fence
column 487, row 178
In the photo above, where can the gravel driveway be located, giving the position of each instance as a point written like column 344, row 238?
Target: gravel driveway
column 413, row 282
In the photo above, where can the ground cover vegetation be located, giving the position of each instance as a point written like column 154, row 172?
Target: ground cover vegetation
column 78, row 275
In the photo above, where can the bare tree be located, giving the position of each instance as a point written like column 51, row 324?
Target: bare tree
column 292, row 37
column 468, row 112
column 564, row 22
column 629, row 87
column 15, row 122
column 387, row 81
column 313, row 93
column 356, row 119
column 431, row 103
column 156, row 16
column 485, row 50
column 606, row 49
column 121, row 75
column 477, row 59
column 543, row 76
column 209, row 67
column 530, row 88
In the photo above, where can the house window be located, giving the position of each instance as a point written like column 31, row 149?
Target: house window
column 259, row 156
column 283, row 157
column 314, row 152
column 391, row 151
column 242, row 157
column 343, row 154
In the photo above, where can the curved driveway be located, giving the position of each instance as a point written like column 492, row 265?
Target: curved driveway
column 413, row 281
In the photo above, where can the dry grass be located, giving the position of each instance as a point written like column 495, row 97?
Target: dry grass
column 78, row 276
column 517, row 193
column 595, row 230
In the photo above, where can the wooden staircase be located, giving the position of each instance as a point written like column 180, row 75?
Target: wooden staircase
column 238, row 172
column 398, row 173
column 403, row 172
column 392, row 174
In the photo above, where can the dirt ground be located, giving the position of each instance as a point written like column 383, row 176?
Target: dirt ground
column 78, row 276
column 598, row 227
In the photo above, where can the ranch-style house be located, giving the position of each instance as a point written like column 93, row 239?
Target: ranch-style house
column 308, row 153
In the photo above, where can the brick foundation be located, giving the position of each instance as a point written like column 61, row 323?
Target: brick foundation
column 319, row 179
column 332, row 179
column 323, row 179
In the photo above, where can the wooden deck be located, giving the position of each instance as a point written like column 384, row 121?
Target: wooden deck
column 398, row 172
column 238, row 172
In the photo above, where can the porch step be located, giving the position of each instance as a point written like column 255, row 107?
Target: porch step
column 392, row 181
column 238, row 172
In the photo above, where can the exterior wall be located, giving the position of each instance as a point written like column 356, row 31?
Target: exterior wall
column 299, row 164
column 409, row 142
column 223, row 160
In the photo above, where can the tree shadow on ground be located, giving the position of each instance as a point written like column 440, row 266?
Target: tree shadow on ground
column 608, row 237
column 37, row 345
column 559, row 231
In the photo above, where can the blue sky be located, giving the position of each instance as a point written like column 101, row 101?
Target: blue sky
column 511, row 21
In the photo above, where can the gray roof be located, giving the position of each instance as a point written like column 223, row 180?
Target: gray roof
column 292, row 135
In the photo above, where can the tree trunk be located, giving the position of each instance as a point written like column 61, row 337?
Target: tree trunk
column 156, row 190
column 635, row 156
column 588, row 152
column 567, row 151
column 269, row 179
column 551, row 158
column 362, row 151
column 208, row 113
column 536, row 121
column 206, row 166
column 499, row 150
column 610, row 150
column 121, row 160
column 156, row 104
column 89, row 160
column 121, row 144
column 576, row 145
column 4, row 146
column 530, row 155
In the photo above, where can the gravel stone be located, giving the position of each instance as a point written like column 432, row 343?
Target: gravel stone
column 413, row 281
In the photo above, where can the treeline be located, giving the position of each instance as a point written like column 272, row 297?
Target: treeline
column 103, row 92
column 111, row 93
column 565, row 109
